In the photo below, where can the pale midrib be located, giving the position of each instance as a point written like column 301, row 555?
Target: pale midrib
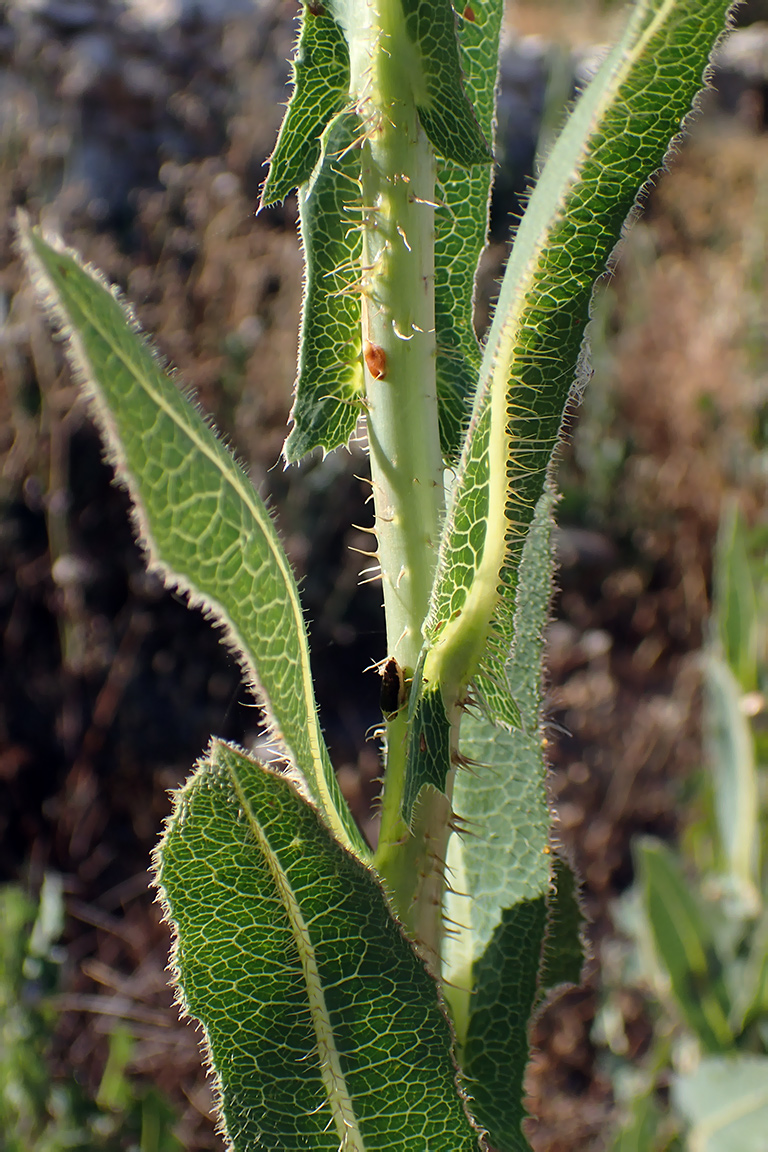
column 234, row 480
column 329, row 1060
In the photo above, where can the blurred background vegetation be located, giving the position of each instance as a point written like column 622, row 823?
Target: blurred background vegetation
column 140, row 130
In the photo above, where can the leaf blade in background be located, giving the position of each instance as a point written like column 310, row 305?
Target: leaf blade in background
column 461, row 226
column 684, row 945
column 329, row 385
column 200, row 520
column 314, row 1003
column 725, row 1102
column 321, row 88
column 731, row 756
column 736, row 609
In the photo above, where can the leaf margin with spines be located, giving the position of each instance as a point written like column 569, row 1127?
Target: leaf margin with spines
column 462, row 196
column 467, row 630
column 309, row 876
column 329, row 390
column 320, row 90
column 296, row 735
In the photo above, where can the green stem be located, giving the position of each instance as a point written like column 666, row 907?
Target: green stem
column 398, row 189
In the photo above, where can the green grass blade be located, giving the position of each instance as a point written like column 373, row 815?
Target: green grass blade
column 683, row 943
column 731, row 756
column 461, row 225
column 736, row 600
column 324, row 1028
column 202, row 525
column 329, row 385
column 500, row 871
column 616, row 138
column 320, row 90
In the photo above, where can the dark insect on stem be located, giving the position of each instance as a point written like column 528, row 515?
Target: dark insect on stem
column 376, row 361
column 315, row 7
column 393, row 694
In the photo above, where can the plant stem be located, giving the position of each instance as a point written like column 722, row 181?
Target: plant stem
column 398, row 318
column 398, row 188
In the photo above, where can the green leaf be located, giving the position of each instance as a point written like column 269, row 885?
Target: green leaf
column 736, row 611
column 324, row 1028
column 684, row 946
column 731, row 757
column 202, row 525
column 461, row 226
column 429, row 749
column 500, row 869
column 725, row 1102
column 320, row 90
column 617, row 136
column 495, row 1053
column 446, row 114
column 562, row 957
column 329, row 385
column 433, row 68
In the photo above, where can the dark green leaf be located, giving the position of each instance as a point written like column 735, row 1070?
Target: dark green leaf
column 324, row 1027
column 321, row 88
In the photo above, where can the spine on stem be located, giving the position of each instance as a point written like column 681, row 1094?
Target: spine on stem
column 398, row 174
column 398, row 322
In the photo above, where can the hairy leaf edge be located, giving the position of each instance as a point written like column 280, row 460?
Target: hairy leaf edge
column 113, row 451
column 296, row 784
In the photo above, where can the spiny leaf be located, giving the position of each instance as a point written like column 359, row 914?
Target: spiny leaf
column 199, row 519
column 324, row 1028
column 321, row 88
column 615, row 139
column 562, row 957
column 329, row 385
column 461, row 225
column 429, row 748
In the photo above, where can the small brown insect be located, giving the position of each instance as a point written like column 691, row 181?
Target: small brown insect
column 393, row 694
column 315, row 7
column 375, row 360
column 469, row 14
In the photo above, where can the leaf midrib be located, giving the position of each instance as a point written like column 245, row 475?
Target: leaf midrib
column 232, row 477
column 329, row 1059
